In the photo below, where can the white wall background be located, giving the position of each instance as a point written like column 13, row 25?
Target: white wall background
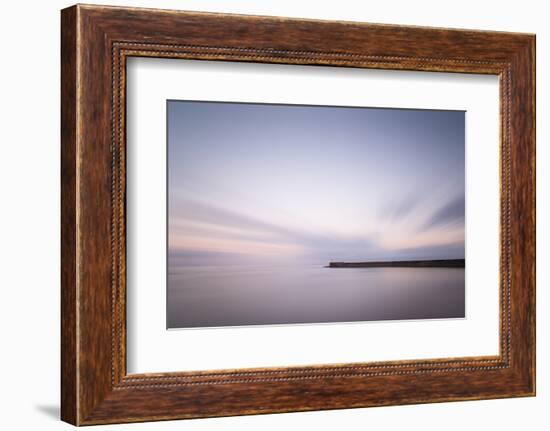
column 29, row 215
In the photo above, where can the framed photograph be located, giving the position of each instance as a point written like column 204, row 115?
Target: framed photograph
column 263, row 214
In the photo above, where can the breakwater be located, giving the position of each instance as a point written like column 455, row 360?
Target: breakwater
column 441, row 263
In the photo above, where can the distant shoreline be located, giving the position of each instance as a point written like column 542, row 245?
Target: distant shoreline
column 441, row 263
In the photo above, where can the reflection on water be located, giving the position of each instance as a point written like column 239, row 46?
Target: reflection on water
column 225, row 295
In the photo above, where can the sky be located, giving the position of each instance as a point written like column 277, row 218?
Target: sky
column 291, row 182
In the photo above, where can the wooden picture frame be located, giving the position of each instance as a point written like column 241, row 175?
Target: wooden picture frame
column 95, row 43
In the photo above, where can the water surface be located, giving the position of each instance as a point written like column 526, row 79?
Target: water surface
column 234, row 295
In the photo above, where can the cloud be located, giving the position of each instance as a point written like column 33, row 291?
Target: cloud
column 399, row 209
column 452, row 212
column 200, row 227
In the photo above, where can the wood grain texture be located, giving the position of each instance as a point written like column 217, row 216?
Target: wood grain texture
column 96, row 41
column 68, row 218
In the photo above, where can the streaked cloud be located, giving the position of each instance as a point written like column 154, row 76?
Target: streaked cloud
column 452, row 212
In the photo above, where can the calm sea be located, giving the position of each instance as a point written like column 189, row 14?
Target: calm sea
column 232, row 295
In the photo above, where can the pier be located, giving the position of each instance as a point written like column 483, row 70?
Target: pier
column 441, row 263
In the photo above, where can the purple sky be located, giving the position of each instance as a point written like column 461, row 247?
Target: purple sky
column 317, row 183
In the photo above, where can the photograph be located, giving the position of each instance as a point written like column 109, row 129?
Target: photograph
column 281, row 214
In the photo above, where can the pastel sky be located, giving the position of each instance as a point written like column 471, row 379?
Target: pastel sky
column 314, row 182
